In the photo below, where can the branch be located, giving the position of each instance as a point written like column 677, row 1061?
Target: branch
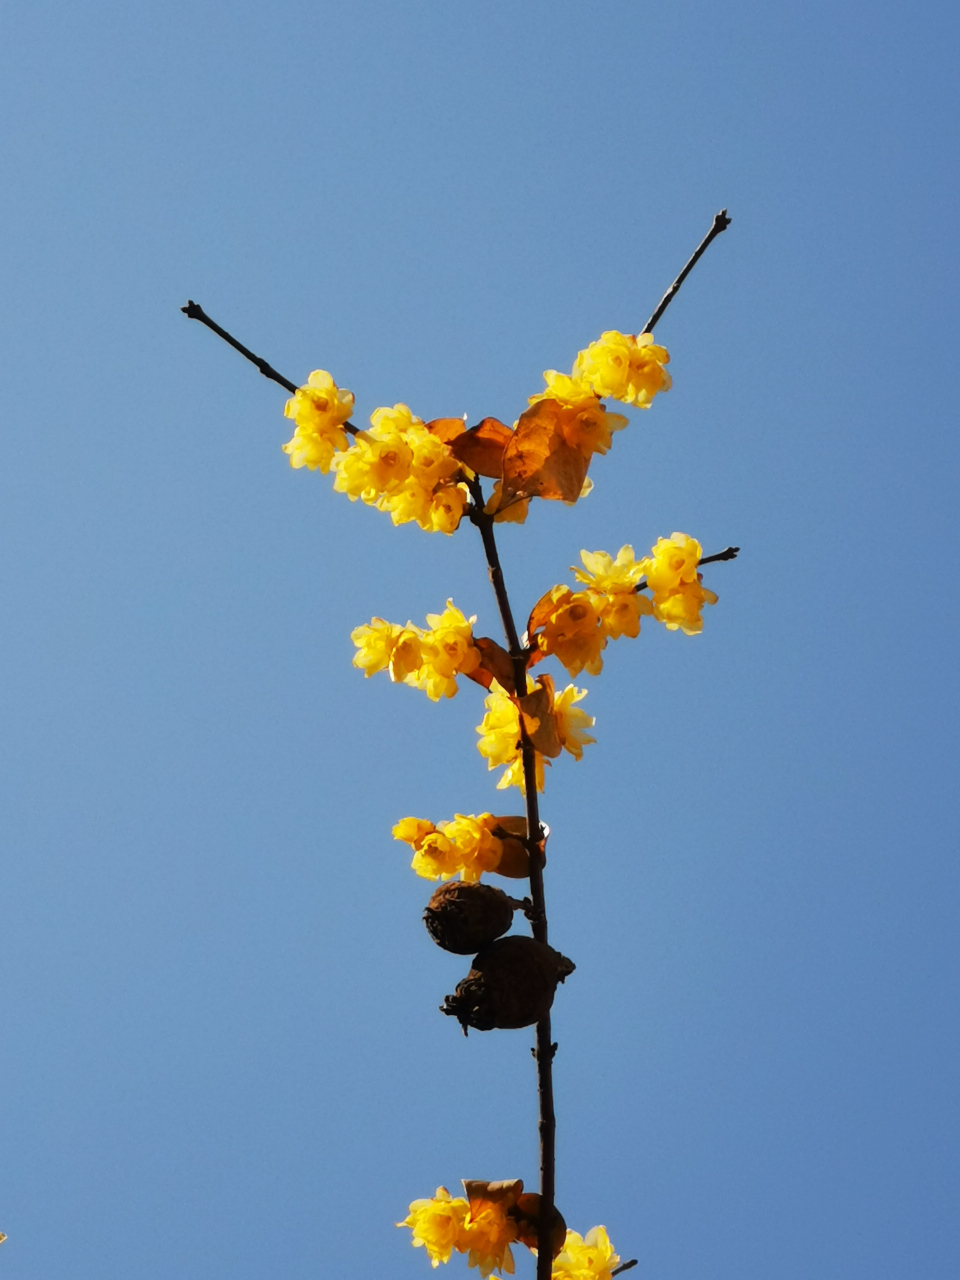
column 545, row 1048
column 728, row 553
column 626, row 1267
column 720, row 223
column 193, row 311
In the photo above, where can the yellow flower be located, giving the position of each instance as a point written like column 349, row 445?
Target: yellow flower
column 400, row 467
column 448, row 650
column 500, row 740
column 486, row 1236
column 515, row 512
column 681, row 606
column 602, row 573
column 465, row 844
column 446, row 509
column 372, row 467
column 624, row 367
column 571, row 629
column 319, row 410
column 572, row 721
column 570, row 392
column 588, row 1257
column 437, row 1224
column 620, row 613
column 375, row 644
column 478, row 849
column 428, row 660
column 672, row 561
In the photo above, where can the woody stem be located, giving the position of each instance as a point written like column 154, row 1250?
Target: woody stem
column 545, row 1048
column 720, row 223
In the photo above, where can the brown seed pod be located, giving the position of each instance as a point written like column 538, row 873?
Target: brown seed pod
column 510, row 984
column 464, row 917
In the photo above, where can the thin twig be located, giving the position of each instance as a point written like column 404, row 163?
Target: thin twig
column 720, row 223
column 728, row 553
column 626, row 1267
column 193, row 311
column 545, row 1048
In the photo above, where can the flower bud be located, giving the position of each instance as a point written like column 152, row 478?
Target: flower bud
column 464, row 917
column 511, row 984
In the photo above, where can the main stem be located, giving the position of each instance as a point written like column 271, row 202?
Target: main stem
column 545, row 1048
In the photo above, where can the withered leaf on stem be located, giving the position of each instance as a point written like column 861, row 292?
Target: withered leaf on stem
column 481, row 448
column 481, row 1194
column 539, row 719
column 538, row 461
column 526, row 1214
column 515, row 860
column 446, row 429
column 495, row 664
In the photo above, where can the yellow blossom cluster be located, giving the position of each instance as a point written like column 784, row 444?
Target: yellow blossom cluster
column 589, row 1257
column 678, row 593
column 624, row 367
column 466, row 844
column 500, row 731
column 576, row 625
column 442, row 1224
column 576, row 414
column 401, row 467
column 428, row 659
column 319, row 409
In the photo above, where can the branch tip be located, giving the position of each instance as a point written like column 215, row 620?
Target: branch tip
column 626, row 1267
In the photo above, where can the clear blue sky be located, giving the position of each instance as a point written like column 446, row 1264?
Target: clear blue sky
column 221, row 1055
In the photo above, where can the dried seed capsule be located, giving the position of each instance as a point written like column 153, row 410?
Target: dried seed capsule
column 464, row 917
column 510, row 984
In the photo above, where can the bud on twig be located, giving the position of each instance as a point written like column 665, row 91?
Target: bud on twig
column 511, row 984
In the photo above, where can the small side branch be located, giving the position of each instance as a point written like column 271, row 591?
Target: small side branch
column 720, row 223
column 193, row 311
column 626, row 1267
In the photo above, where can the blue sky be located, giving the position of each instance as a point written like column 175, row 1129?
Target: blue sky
column 221, row 1051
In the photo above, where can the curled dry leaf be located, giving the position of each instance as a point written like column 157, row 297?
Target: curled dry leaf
column 481, row 448
column 539, row 719
column 495, row 664
column 515, row 860
column 526, row 1214
column 538, row 461
column 481, row 1195
column 446, row 429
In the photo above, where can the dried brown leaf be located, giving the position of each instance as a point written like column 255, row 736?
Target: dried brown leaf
column 481, row 448
column 538, row 461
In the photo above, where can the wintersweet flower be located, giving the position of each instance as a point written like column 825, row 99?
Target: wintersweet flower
column 437, row 1224
column 486, row 1237
column 602, row 573
column 400, row 467
column 681, row 607
column 447, row 651
column 673, row 560
column 620, row 613
column 466, row 845
column 588, row 1257
column 429, row 660
column 500, row 740
column 572, row 721
column 319, row 409
column 571, row 629
column 375, row 645
column 624, row 367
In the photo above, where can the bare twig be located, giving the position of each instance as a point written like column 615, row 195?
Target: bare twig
column 720, row 223
column 625, row 1267
column 193, row 311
